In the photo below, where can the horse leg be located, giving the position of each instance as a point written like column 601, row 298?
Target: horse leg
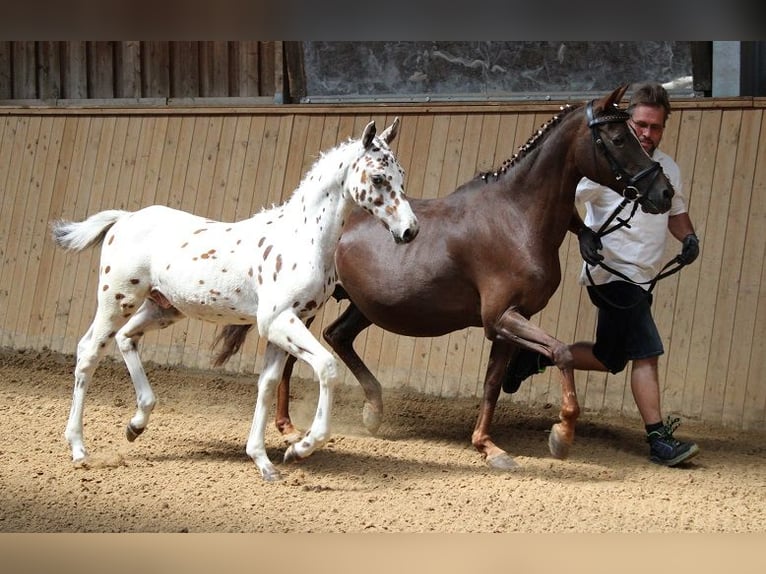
column 514, row 327
column 282, row 421
column 150, row 316
column 340, row 335
column 90, row 350
column 273, row 364
column 493, row 454
column 289, row 333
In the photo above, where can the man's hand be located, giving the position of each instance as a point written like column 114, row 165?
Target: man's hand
column 689, row 251
column 590, row 244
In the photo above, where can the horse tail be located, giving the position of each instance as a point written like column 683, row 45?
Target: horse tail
column 79, row 235
column 233, row 336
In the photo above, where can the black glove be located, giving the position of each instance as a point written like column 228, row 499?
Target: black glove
column 690, row 249
column 590, row 243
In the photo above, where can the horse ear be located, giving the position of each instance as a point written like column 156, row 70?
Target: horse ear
column 614, row 98
column 369, row 134
column 390, row 132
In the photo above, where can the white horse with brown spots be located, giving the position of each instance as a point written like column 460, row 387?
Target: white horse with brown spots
column 275, row 270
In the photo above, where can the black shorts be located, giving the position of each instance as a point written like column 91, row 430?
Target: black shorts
column 625, row 328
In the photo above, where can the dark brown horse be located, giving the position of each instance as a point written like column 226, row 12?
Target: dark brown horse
column 488, row 255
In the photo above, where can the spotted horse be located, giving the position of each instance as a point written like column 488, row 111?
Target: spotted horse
column 275, row 269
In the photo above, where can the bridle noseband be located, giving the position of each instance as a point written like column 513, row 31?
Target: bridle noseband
column 630, row 191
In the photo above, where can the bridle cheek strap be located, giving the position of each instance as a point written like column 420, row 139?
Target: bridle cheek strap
column 630, row 190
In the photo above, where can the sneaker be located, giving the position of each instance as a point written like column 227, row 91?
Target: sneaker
column 524, row 365
column 666, row 450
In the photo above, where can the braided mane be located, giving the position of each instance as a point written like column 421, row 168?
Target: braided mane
column 531, row 144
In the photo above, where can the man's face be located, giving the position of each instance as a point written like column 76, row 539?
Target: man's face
column 648, row 122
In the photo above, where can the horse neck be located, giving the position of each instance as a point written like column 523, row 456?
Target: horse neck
column 544, row 181
column 320, row 204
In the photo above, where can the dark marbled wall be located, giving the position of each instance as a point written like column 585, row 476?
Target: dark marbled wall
column 487, row 70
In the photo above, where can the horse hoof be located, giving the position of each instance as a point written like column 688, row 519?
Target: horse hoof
column 291, row 455
column 271, row 475
column 132, row 433
column 558, row 443
column 371, row 418
column 504, row 462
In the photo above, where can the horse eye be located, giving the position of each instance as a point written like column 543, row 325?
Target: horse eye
column 619, row 141
column 377, row 179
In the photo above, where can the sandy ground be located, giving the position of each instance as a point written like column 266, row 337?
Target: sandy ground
column 189, row 473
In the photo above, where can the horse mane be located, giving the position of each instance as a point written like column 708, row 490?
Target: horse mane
column 532, row 143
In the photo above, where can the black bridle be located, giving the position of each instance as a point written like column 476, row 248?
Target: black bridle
column 630, row 193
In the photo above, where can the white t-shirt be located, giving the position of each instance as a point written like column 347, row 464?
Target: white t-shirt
column 634, row 251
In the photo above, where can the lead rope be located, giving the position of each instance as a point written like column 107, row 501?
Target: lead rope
column 605, row 230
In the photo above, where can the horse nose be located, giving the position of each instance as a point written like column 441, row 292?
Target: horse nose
column 408, row 234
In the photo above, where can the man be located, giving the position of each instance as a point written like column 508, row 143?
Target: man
column 626, row 330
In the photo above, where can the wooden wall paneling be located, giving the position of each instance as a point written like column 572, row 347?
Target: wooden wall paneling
column 733, row 216
column 267, row 53
column 60, row 208
column 196, row 351
column 88, row 263
column 74, row 73
column 75, row 205
column 248, row 67
column 185, row 70
column 744, row 246
column 42, row 248
column 13, row 278
column 713, row 228
column 85, row 265
column 13, row 206
column 677, row 348
column 7, row 198
column 24, row 63
column 127, row 69
column 155, row 69
column 6, row 57
column 214, row 69
column 754, row 289
column 100, row 69
column 48, row 70
column 722, row 296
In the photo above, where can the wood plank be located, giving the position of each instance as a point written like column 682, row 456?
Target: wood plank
column 97, row 158
column 248, row 77
column 127, row 69
column 712, row 230
column 744, row 245
column 184, row 69
column 100, row 69
column 214, row 69
column 155, row 69
column 6, row 57
column 49, row 70
column 16, row 261
column 754, row 409
column 59, row 259
column 73, row 208
column 74, row 73
column 24, row 78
